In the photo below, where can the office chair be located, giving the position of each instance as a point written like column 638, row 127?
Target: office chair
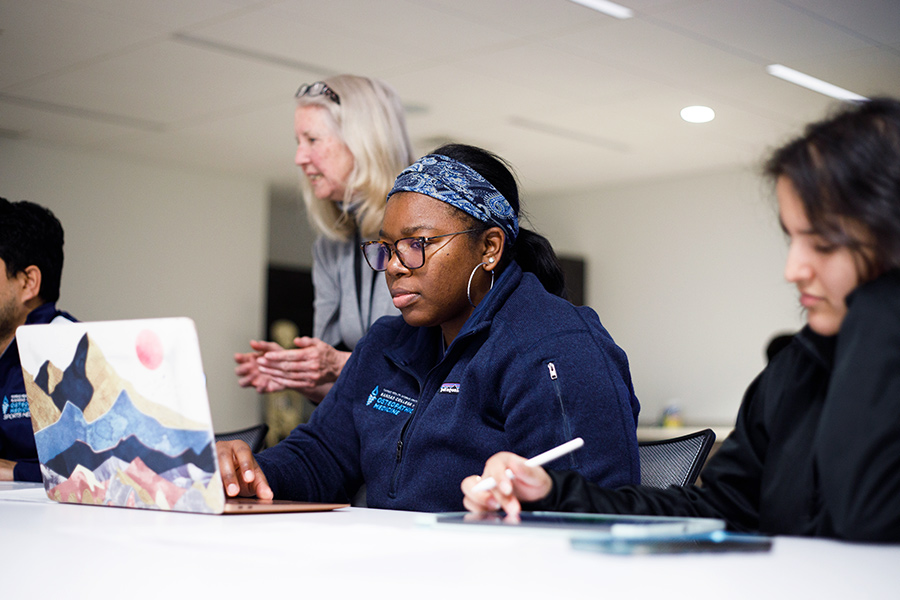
column 254, row 436
column 676, row 461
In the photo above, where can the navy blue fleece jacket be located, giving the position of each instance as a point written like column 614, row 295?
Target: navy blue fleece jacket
column 527, row 372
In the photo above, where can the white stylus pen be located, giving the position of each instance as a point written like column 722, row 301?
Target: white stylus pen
column 543, row 458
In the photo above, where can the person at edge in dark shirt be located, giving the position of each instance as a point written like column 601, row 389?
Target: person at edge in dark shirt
column 31, row 261
column 816, row 447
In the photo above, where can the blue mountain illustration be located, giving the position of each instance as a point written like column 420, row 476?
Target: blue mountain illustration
column 43, row 377
column 122, row 420
column 127, row 450
column 75, row 386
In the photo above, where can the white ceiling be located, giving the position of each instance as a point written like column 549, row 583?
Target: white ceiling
column 573, row 98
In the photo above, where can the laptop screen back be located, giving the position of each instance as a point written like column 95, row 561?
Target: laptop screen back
column 121, row 414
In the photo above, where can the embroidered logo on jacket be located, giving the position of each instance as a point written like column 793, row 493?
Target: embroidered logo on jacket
column 450, row 388
column 390, row 401
column 16, row 407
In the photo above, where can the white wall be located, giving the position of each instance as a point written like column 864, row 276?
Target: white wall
column 686, row 274
column 147, row 241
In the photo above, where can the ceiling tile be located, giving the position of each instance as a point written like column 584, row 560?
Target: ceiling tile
column 267, row 144
column 167, row 83
column 763, row 31
column 66, row 130
column 49, row 36
column 648, row 50
column 290, row 36
column 877, row 20
column 164, row 14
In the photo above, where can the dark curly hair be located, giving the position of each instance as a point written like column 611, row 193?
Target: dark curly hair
column 31, row 235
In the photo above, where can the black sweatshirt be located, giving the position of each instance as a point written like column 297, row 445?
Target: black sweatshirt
column 816, row 447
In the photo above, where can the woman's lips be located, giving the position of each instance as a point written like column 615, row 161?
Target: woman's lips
column 403, row 298
column 808, row 300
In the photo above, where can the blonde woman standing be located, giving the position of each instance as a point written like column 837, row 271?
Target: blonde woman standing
column 351, row 144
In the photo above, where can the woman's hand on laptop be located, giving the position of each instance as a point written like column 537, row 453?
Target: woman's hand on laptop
column 527, row 484
column 241, row 474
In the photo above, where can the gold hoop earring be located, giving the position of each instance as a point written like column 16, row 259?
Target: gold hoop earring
column 469, row 286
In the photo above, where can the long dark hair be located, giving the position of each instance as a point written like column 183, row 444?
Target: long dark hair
column 846, row 170
column 531, row 251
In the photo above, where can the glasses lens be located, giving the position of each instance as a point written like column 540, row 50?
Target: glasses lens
column 311, row 89
column 377, row 255
column 412, row 252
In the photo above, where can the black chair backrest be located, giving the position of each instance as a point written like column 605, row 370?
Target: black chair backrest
column 676, row 461
column 254, row 436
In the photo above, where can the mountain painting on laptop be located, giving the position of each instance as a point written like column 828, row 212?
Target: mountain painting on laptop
column 113, row 421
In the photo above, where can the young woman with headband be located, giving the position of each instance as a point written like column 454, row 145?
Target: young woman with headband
column 483, row 358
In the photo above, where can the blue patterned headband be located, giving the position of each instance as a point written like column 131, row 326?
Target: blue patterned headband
column 459, row 185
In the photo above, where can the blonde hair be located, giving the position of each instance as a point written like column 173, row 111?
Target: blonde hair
column 370, row 121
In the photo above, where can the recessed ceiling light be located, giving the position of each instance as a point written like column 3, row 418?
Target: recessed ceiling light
column 698, row 114
column 811, row 83
column 607, row 8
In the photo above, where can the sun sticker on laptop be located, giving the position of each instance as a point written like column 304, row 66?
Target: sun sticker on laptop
column 149, row 349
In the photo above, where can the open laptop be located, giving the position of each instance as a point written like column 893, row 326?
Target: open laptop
column 121, row 417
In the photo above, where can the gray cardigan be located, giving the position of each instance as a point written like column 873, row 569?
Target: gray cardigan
column 338, row 316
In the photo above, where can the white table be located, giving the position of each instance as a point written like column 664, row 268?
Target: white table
column 68, row 551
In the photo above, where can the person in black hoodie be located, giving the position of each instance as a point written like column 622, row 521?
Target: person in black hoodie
column 816, row 447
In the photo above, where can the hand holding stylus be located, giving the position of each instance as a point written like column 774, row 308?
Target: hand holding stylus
column 531, row 482
column 489, row 483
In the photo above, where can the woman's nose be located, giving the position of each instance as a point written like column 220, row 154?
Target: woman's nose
column 302, row 156
column 797, row 267
column 394, row 265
